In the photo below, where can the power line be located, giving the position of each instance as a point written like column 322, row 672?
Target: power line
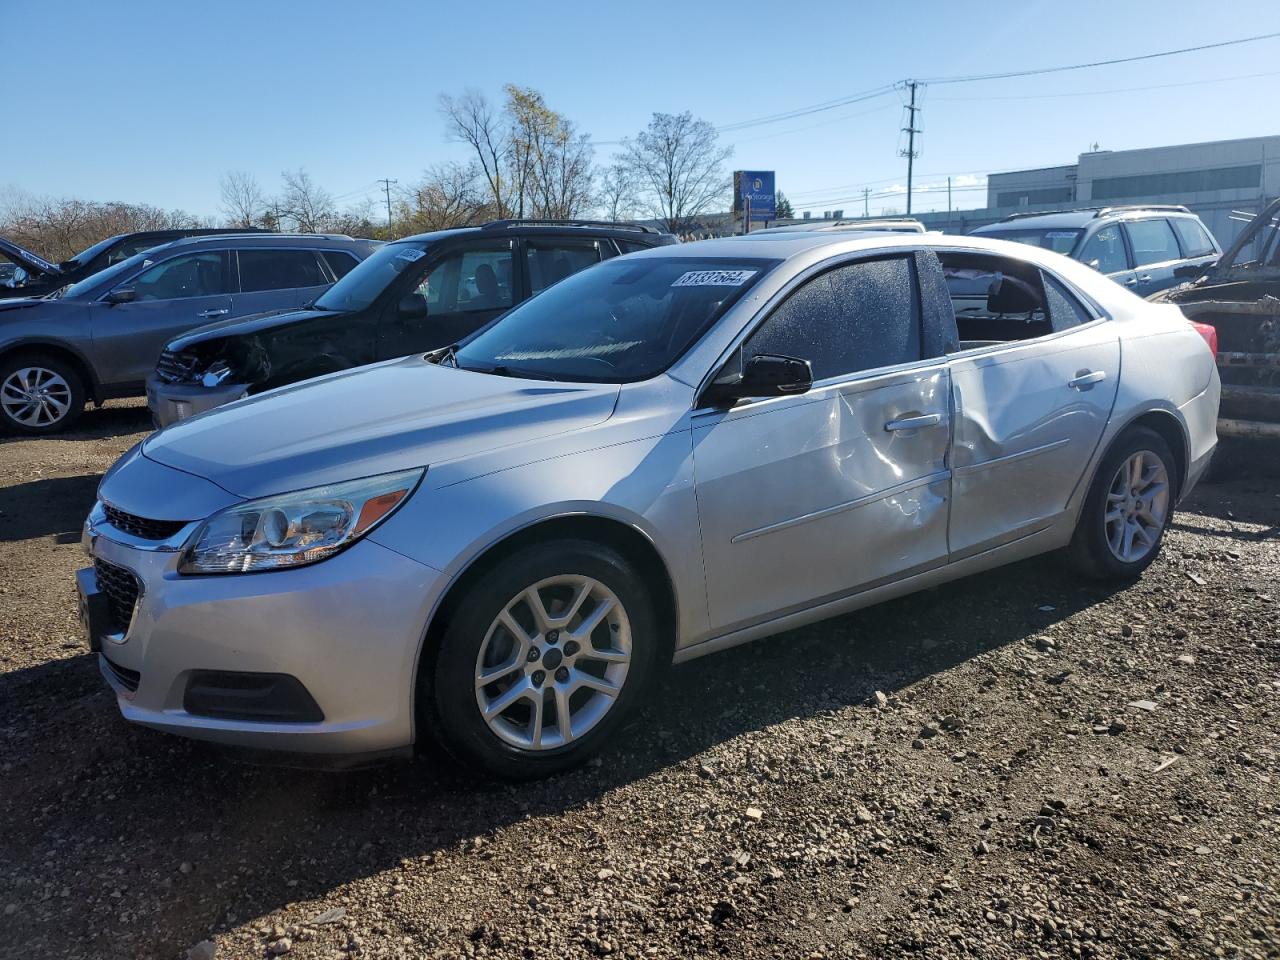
column 815, row 108
column 1098, row 63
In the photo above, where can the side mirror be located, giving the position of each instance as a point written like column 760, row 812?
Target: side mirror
column 122, row 295
column 765, row 375
column 412, row 306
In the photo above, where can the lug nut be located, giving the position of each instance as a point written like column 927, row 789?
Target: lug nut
column 571, row 648
column 553, row 636
column 562, row 675
column 534, row 654
column 538, row 677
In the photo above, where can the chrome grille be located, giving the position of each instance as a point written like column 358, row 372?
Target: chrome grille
column 141, row 527
column 121, row 589
column 175, row 367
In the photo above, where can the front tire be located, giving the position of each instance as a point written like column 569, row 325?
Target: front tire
column 542, row 660
column 1127, row 509
column 39, row 394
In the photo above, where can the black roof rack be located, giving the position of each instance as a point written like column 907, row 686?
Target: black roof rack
column 535, row 222
column 1099, row 211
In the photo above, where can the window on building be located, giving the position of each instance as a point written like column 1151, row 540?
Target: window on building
column 1178, row 182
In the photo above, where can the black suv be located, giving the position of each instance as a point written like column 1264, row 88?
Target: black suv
column 39, row 277
column 412, row 296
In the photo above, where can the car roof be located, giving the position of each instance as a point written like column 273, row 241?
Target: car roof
column 586, row 228
column 1083, row 216
column 267, row 240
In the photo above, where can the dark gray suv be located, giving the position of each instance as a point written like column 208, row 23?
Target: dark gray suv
column 100, row 337
column 1144, row 248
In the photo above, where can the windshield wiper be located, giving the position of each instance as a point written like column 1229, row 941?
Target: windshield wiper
column 520, row 373
column 449, row 353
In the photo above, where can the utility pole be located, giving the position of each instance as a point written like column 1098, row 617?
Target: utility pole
column 948, row 201
column 386, row 186
column 911, row 130
column 866, row 202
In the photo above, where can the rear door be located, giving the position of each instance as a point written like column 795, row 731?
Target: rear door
column 464, row 289
column 1155, row 254
column 173, row 296
column 274, row 278
column 1033, row 384
column 810, row 497
column 1199, row 249
column 550, row 260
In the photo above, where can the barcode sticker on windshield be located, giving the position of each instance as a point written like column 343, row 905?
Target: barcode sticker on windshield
column 714, row 278
column 411, row 254
column 1060, row 234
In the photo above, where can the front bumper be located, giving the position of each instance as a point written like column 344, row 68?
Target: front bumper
column 171, row 402
column 347, row 629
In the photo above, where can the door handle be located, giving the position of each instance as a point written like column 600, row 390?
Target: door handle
column 1087, row 378
column 914, row 423
column 209, row 314
column 1131, row 281
column 1145, row 278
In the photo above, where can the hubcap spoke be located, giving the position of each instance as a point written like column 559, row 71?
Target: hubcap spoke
column 35, row 396
column 1137, row 506
column 517, row 691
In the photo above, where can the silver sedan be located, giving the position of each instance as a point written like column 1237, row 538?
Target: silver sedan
column 500, row 544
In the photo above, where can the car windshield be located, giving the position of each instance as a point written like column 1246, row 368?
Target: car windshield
column 1058, row 239
column 108, row 276
column 84, row 256
column 620, row 321
column 366, row 281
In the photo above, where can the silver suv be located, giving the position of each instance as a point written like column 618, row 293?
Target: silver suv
column 1145, row 248
column 100, row 338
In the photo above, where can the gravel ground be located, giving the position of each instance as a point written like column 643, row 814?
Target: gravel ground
column 1017, row 765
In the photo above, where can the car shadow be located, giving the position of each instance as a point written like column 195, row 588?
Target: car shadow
column 117, row 418
column 130, row 796
column 49, row 507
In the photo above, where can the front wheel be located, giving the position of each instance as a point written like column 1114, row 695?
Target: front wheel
column 39, row 394
column 1127, row 509
column 542, row 659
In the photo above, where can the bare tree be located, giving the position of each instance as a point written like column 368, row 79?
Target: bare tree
column 616, row 196
column 243, row 202
column 58, row 229
column 448, row 195
column 472, row 121
column 309, row 206
column 679, row 166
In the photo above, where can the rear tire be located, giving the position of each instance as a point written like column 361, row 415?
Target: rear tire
column 1127, row 509
column 40, row 394
column 589, row 652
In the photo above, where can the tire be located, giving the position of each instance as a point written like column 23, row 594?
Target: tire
column 55, row 385
column 576, row 577
column 1121, row 544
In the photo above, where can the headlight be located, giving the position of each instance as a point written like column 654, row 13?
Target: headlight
column 294, row 529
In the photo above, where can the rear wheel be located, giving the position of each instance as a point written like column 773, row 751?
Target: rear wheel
column 1128, row 508
column 39, row 394
column 542, row 660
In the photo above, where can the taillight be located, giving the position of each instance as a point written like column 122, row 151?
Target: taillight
column 1210, row 334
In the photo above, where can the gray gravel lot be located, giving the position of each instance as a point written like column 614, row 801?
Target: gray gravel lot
column 1016, row 765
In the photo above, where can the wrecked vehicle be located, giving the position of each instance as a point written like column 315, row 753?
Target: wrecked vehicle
column 1236, row 306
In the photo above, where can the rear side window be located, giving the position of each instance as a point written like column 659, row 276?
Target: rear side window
column 1152, row 242
column 1065, row 311
column 1104, row 251
column 278, row 270
column 1193, row 237
column 339, row 262
column 857, row 317
column 631, row 246
column 553, row 260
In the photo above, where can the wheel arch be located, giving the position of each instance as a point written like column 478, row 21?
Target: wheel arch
column 626, row 538
column 1172, row 430
column 62, row 351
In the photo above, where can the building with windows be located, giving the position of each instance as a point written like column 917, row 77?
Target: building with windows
column 1226, row 182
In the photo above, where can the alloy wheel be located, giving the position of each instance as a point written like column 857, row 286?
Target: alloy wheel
column 553, row 662
column 1137, row 506
column 35, row 396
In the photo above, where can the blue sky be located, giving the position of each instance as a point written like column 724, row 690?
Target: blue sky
column 152, row 101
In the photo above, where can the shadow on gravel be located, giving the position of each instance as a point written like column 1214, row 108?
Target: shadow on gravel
column 55, row 507
column 148, row 802
column 116, row 419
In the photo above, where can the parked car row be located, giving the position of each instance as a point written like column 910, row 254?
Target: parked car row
column 497, row 544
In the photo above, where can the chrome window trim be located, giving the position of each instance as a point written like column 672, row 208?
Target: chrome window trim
column 181, row 253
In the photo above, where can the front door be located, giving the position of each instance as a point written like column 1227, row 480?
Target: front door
column 810, row 497
column 463, row 289
column 1106, row 252
column 1155, row 255
column 1032, row 394
column 171, row 297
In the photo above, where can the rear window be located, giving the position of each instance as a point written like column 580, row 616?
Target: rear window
column 1193, row 237
column 1059, row 240
column 339, row 262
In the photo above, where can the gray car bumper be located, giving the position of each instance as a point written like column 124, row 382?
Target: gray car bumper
column 171, row 402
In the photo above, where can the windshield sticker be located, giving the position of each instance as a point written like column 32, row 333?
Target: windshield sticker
column 1060, row 234
column 411, row 255
column 714, row 278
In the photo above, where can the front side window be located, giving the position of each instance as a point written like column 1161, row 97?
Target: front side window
column 622, row 321
column 1104, row 251
column 191, row 275
column 278, row 270
column 470, row 281
column 1152, row 242
column 1195, row 240
column 367, row 281
column 857, row 317
column 552, row 260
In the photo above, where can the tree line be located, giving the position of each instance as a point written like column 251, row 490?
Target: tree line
column 524, row 159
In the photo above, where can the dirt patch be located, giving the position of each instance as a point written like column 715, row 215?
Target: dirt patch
column 1015, row 765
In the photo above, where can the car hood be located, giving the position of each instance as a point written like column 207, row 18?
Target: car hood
column 31, row 262
column 243, row 326
column 12, row 304
column 358, row 423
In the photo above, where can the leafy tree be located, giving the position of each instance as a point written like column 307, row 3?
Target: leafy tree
column 784, row 208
